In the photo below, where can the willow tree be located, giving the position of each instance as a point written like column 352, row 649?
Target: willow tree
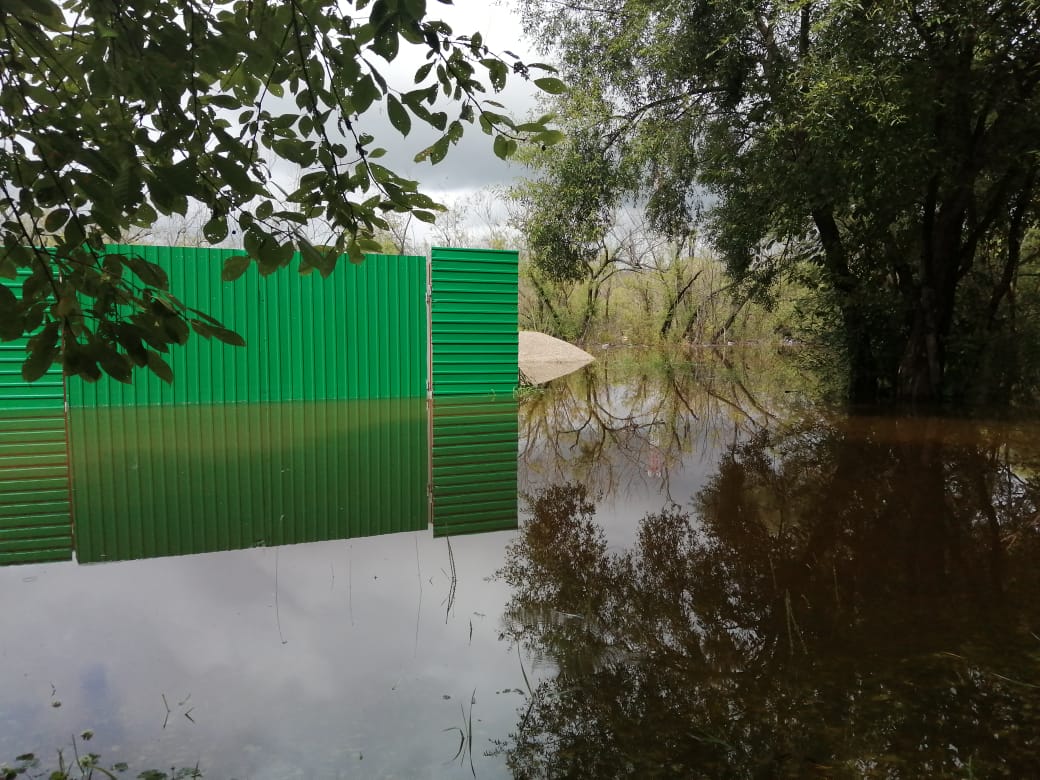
column 114, row 113
column 889, row 146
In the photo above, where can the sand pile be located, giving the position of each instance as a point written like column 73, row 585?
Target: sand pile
column 543, row 357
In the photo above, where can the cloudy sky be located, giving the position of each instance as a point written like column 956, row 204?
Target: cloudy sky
column 471, row 165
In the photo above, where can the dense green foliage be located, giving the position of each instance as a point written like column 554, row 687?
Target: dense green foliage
column 114, row 113
column 884, row 152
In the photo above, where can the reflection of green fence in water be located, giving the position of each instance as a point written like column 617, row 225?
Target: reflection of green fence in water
column 474, row 461
column 178, row 480
column 157, row 481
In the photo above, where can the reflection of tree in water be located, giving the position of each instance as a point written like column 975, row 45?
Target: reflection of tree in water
column 613, row 427
column 852, row 601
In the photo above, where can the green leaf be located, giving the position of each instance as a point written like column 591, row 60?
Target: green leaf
column 227, row 336
column 399, row 117
column 43, row 350
column 56, row 220
column 501, row 147
column 435, row 152
column 551, row 85
column 45, row 12
column 234, row 267
column 160, row 368
column 364, row 94
column 12, row 323
column 120, row 368
column 215, row 230
column 549, row 137
column 423, row 72
column 148, row 272
column 497, row 72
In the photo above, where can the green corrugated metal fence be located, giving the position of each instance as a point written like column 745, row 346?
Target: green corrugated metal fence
column 196, row 474
column 360, row 333
column 154, row 481
column 474, row 466
column 34, row 473
column 47, row 392
column 474, row 321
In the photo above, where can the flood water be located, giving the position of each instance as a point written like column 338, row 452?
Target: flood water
column 710, row 574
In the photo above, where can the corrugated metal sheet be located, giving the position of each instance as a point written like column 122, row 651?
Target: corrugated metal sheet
column 15, row 393
column 34, row 487
column 154, row 481
column 34, row 475
column 474, row 465
column 474, row 321
column 360, row 333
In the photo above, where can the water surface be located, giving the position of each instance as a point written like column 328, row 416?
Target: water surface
column 713, row 575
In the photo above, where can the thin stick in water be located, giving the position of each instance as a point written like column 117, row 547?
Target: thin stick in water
column 418, row 609
column 454, row 581
column 277, row 611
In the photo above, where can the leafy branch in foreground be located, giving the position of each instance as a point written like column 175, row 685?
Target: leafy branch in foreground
column 113, row 114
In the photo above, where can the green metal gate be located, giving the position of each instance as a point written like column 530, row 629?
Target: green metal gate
column 474, row 321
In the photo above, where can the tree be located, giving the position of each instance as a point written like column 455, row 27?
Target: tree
column 891, row 145
column 114, row 113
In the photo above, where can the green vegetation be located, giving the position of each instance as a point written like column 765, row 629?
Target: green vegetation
column 664, row 299
column 880, row 156
column 83, row 765
column 114, row 114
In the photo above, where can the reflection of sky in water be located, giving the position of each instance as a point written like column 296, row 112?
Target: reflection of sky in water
column 355, row 669
column 340, row 658
column 350, row 672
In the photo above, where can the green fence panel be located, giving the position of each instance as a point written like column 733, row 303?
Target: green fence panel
column 360, row 333
column 47, row 392
column 35, row 524
column 474, row 334
column 156, row 481
column 474, row 463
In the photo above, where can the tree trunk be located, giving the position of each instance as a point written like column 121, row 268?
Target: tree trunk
column 923, row 364
column 859, row 350
column 673, row 306
column 544, row 300
column 859, row 343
